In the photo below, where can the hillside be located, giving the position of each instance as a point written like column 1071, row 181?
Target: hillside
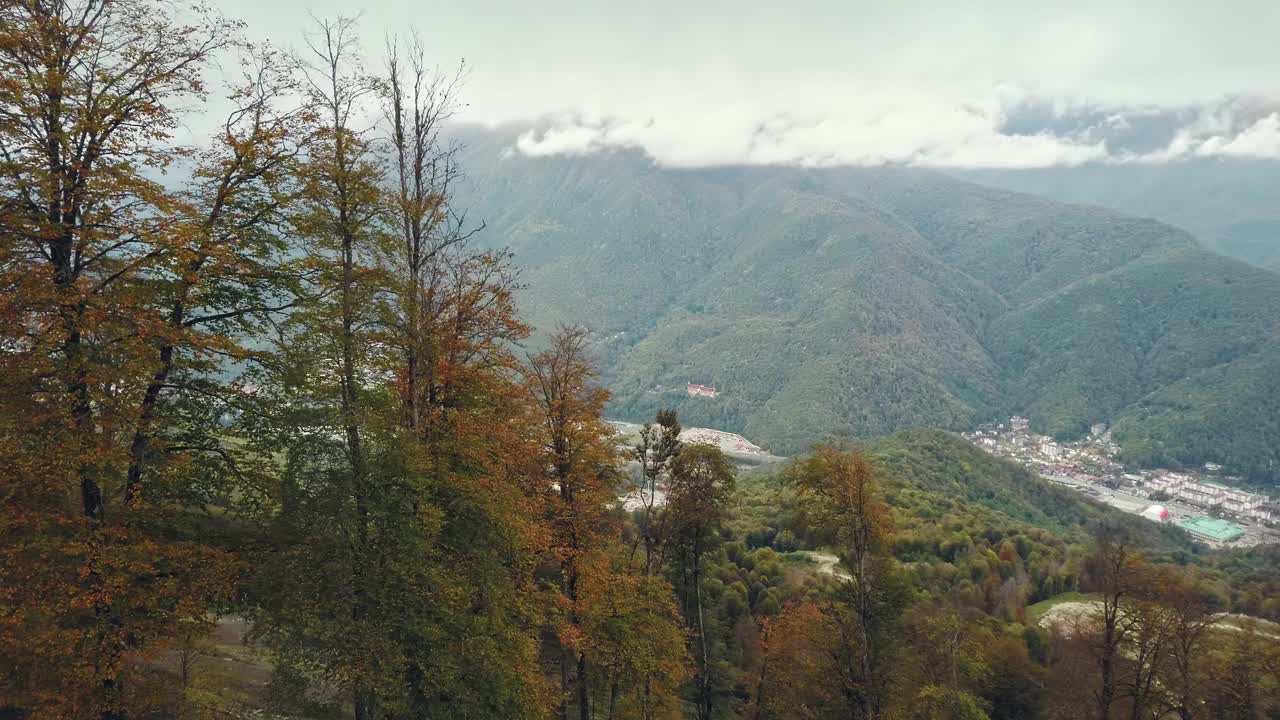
column 952, row 502
column 865, row 301
column 933, row 478
column 1232, row 206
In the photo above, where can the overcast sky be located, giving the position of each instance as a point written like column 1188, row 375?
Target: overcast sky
column 996, row 83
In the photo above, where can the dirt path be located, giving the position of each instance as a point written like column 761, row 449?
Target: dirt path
column 828, row 564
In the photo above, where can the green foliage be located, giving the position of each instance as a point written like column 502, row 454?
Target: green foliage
column 941, row 703
column 1231, row 204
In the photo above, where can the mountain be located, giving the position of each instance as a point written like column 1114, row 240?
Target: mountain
column 864, row 301
column 1231, row 205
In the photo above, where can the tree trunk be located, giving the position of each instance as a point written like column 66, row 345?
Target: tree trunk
column 140, row 446
column 704, row 699
column 1106, row 694
column 759, row 701
column 864, row 636
column 362, row 711
column 584, row 708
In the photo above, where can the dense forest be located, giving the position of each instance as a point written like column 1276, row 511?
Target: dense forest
column 273, row 386
column 1229, row 203
column 865, row 301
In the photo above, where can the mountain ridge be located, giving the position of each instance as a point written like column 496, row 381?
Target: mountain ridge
column 1229, row 204
column 863, row 301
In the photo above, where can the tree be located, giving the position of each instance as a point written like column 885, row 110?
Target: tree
column 1114, row 571
column 581, row 464
column 792, row 650
column 399, row 528
column 842, row 494
column 121, row 298
column 636, row 639
column 450, row 316
column 417, row 103
column 1146, row 650
column 341, row 214
column 1243, row 680
column 701, row 485
column 221, row 292
column 946, row 703
column 86, row 107
column 659, row 446
column 949, row 650
column 1190, row 623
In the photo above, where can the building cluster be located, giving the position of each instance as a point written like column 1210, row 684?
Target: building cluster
column 1209, row 494
column 1091, row 465
column 1091, row 460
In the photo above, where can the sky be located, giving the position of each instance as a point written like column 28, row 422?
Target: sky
column 965, row 83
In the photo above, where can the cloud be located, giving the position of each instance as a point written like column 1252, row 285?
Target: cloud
column 1237, row 129
column 988, row 83
column 1260, row 140
column 921, row 135
column 1005, row 130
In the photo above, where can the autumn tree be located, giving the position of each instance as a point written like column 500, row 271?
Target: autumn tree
column 842, row 494
column 940, row 702
column 126, row 298
column 87, row 106
column 342, row 505
column 701, row 486
column 1113, row 571
column 792, row 650
column 451, row 318
column 948, row 651
column 417, row 103
column 583, row 472
column 657, row 449
column 636, row 638
column 1189, row 623
column 222, row 293
column 1243, row 678
column 1147, row 649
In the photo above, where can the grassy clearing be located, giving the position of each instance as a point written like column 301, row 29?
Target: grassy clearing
column 1037, row 611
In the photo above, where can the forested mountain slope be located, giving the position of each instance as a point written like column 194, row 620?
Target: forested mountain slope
column 951, row 502
column 864, row 301
column 1232, row 205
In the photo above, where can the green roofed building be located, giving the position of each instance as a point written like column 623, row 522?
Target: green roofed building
column 1208, row 528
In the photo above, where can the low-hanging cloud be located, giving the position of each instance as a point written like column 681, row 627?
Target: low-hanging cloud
column 989, row 83
column 925, row 134
column 1223, row 133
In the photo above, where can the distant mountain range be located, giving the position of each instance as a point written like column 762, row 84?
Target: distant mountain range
column 864, row 301
column 1232, row 206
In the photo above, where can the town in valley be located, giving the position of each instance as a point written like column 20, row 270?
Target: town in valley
column 1205, row 502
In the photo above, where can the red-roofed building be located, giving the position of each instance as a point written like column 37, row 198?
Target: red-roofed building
column 701, row 390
